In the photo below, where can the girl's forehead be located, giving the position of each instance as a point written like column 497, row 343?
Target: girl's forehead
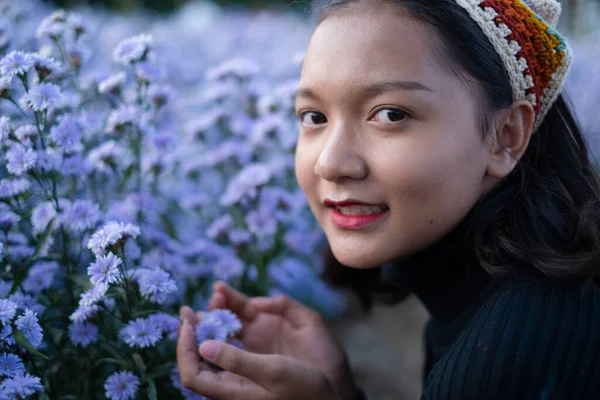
column 374, row 47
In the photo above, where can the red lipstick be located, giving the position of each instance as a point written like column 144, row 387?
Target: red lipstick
column 344, row 221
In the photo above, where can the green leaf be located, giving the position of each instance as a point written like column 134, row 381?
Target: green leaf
column 108, row 360
column 161, row 371
column 152, row 394
column 42, row 243
column 83, row 281
column 140, row 363
column 114, row 352
column 127, row 175
column 144, row 313
column 23, row 341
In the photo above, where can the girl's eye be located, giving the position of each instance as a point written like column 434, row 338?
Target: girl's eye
column 312, row 118
column 390, row 115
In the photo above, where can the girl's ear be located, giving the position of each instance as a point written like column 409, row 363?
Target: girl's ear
column 510, row 138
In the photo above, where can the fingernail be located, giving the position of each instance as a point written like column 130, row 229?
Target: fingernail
column 209, row 350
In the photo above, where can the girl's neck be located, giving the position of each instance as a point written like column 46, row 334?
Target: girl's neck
column 446, row 277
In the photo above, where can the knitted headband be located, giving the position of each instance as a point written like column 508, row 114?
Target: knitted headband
column 534, row 54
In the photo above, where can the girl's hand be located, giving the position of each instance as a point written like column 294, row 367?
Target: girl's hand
column 246, row 375
column 283, row 327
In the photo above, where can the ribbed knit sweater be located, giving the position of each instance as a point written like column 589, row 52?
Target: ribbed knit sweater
column 523, row 337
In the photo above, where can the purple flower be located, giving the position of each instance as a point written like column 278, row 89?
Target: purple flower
column 41, row 216
column 53, row 26
column 6, row 336
column 121, row 386
column 121, row 118
column 43, row 96
column 13, row 187
column 74, row 165
column 22, row 385
column 7, row 218
column 237, row 67
column 27, row 134
column 25, row 300
column 239, row 236
column 82, row 215
column 44, row 66
column 1, row 251
column 141, row 332
column 148, row 72
column 94, row 295
column 11, row 365
column 211, row 330
column 40, row 276
column 83, row 312
column 220, row 226
column 132, row 50
column 297, row 241
column 16, row 63
column 48, row 159
column 108, row 156
column 8, row 309
column 5, row 86
column 113, row 83
column 5, row 128
column 168, row 324
column 155, row 284
column 261, row 224
column 266, row 129
column 105, row 270
column 83, row 333
column 160, row 94
column 28, row 324
column 228, row 267
column 67, row 134
column 111, row 234
column 245, row 183
column 20, row 159
column 132, row 251
column 5, row 287
column 228, row 319
column 76, row 23
column 198, row 128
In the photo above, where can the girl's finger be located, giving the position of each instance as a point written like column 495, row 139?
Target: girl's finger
column 234, row 300
column 186, row 312
column 224, row 386
column 217, row 300
column 187, row 356
column 297, row 314
column 259, row 368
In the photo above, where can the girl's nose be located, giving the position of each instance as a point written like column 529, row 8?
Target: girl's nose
column 340, row 158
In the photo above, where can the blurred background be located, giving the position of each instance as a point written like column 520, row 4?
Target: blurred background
column 578, row 14
column 384, row 347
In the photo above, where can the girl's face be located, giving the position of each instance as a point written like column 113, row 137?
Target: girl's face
column 390, row 155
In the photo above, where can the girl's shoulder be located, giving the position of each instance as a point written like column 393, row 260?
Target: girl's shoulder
column 531, row 338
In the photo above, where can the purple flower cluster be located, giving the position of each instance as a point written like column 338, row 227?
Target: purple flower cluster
column 220, row 325
column 133, row 174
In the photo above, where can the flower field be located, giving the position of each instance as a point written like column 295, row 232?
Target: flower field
column 141, row 159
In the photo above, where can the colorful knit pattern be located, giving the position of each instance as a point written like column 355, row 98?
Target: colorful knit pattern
column 535, row 55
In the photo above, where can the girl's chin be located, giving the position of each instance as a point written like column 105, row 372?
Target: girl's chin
column 359, row 261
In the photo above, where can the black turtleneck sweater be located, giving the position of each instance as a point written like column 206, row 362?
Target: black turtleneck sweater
column 524, row 337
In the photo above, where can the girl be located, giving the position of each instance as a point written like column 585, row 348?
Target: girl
column 435, row 141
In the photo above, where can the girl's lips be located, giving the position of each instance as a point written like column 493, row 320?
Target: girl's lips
column 344, row 221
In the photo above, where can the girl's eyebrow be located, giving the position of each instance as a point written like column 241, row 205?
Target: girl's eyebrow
column 373, row 89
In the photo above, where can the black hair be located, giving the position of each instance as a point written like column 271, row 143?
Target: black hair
column 545, row 214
